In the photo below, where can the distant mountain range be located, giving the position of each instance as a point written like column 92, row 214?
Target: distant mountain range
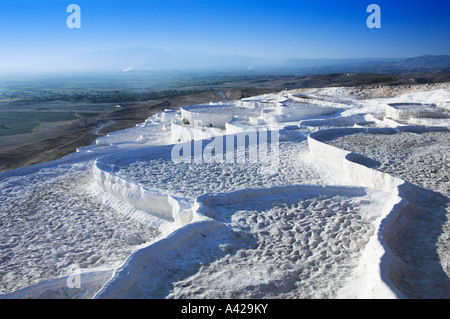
column 148, row 59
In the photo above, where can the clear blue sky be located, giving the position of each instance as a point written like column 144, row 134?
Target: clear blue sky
column 34, row 29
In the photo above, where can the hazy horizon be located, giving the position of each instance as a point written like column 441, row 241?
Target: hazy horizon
column 35, row 35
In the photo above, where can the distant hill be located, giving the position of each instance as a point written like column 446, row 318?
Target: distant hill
column 421, row 64
column 425, row 61
column 149, row 59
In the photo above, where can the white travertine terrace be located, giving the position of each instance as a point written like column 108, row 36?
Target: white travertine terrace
column 330, row 220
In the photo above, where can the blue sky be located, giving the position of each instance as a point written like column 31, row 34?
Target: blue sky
column 32, row 30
